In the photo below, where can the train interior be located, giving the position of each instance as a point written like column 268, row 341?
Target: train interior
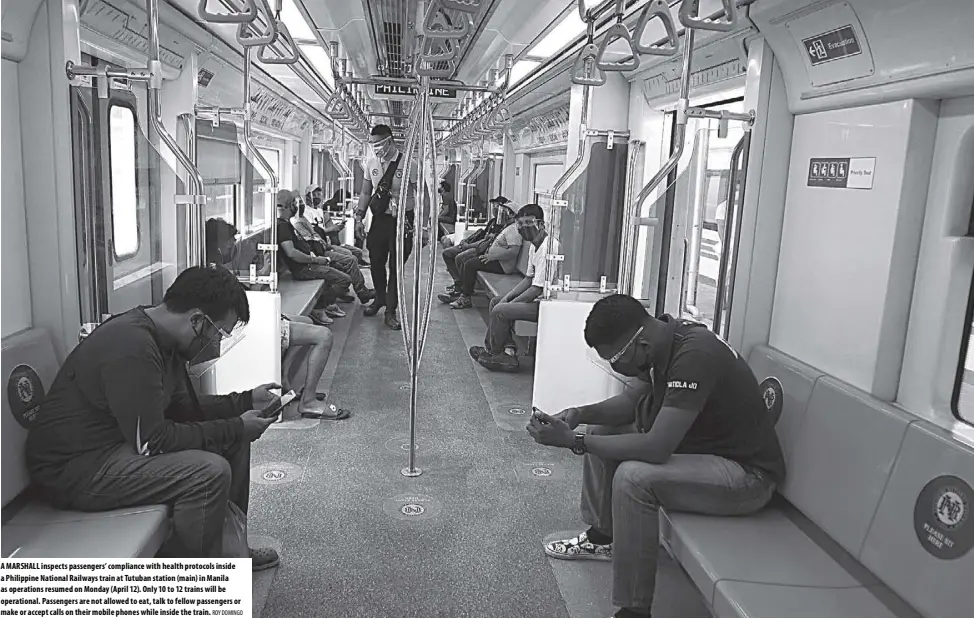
column 794, row 174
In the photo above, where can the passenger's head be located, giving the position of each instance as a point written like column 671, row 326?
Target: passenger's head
column 617, row 329
column 445, row 188
column 206, row 304
column 221, row 242
column 530, row 222
column 381, row 142
column 313, row 196
column 505, row 212
column 286, row 206
column 299, row 206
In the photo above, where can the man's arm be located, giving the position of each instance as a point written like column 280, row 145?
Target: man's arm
column 295, row 254
column 519, row 290
column 363, row 201
column 211, row 406
column 134, row 390
column 616, row 411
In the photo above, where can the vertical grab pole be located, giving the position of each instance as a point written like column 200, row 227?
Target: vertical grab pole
column 195, row 200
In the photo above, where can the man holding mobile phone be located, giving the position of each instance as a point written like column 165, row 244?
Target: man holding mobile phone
column 122, row 425
column 697, row 439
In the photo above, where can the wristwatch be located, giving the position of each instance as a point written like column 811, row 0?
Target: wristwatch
column 578, row 447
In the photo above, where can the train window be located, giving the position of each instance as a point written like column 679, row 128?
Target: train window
column 122, row 177
column 963, row 398
column 545, row 176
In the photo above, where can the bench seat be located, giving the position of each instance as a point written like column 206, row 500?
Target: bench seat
column 34, row 529
column 298, row 297
column 41, row 531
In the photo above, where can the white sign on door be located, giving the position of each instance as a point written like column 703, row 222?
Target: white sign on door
column 861, row 172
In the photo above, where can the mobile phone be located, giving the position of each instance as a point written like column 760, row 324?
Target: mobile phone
column 276, row 407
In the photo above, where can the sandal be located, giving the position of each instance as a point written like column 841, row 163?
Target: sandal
column 338, row 414
column 319, row 395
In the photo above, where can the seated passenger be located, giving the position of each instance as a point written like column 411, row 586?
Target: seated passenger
column 122, row 426
column 700, row 442
column 296, row 331
column 305, row 265
column 499, row 352
column 341, row 259
column 447, row 217
column 500, row 257
column 477, row 243
column 327, row 227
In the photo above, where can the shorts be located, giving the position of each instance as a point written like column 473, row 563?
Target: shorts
column 285, row 334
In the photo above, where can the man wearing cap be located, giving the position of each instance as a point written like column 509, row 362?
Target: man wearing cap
column 326, row 226
column 303, row 264
column 384, row 173
column 457, row 255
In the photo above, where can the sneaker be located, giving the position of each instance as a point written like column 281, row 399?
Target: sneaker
column 462, row 302
column 319, row 317
column 510, row 350
column 335, row 312
column 346, row 298
column 451, row 288
column 264, row 558
column 498, row 362
column 476, row 352
column 447, row 297
column 367, row 295
column 393, row 322
column 373, row 309
column 578, row 548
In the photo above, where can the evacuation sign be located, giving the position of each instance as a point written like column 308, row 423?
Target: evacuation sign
column 832, row 45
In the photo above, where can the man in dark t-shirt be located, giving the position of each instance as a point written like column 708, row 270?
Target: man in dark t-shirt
column 122, row 426
column 699, row 439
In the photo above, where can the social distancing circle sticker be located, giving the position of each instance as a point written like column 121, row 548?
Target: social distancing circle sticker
column 942, row 517
column 25, row 392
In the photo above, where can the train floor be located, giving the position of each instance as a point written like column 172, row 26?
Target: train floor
column 359, row 539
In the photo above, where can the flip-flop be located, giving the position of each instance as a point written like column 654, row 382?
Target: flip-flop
column 338, row 414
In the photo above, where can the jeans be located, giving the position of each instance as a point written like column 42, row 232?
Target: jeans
column 472, row 267
column 381, row 242
column 454, row 258
column 623, row 499
column 500, row 325
column 195, row 484
column 336, row 282
column 345, row 262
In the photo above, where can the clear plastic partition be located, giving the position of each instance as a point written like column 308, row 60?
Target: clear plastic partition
column 587, row 224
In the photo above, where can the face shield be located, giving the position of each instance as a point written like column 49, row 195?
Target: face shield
column 381, row 148
column 210, row 343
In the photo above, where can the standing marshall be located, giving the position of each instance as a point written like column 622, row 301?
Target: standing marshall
column 385, row 169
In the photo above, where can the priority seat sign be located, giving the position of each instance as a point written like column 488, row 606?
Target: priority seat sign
column 841, row 172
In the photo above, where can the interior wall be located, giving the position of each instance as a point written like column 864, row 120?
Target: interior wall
column 16, row 305
column 866, row 268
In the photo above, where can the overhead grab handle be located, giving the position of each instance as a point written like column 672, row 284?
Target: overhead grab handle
column 434, row 28
column 448, row 50
column 656, row 8
column 466, row 6
column 242, row 16
column 586, row 71
column 428, row 69
column 618, row 32
column 260, row 31
column 589, row 14
column 290, row 50
column 688, row 17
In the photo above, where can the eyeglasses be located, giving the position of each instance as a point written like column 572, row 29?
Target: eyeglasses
column 223, row 334
column 619, row 354
column 527, row 223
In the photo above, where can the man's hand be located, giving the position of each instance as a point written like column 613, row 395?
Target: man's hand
column 323, row 261
column 483, row 259
column 263, row 397
column 571, row 416
column 254, row 425
column 360, row 228
column 549, row 430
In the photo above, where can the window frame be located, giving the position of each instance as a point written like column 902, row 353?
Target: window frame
column 112, row 104
column 962, row 359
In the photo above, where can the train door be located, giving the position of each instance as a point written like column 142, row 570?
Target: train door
column 117, row 204
column 702, row 205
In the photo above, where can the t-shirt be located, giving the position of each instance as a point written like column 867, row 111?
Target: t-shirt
column 376, row 169
column 450, row 216
column 509, row 237
column 286, row 232
column 121, row 386
column 701, row 372
column 538, row 262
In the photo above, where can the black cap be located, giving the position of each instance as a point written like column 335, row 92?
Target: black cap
column 500, row 200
